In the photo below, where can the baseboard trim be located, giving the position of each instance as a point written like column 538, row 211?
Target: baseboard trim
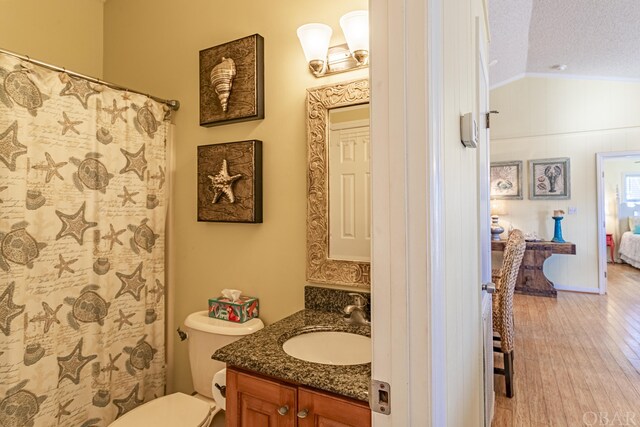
column 576, row 289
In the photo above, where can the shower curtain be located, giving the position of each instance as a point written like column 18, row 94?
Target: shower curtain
column 82, row 218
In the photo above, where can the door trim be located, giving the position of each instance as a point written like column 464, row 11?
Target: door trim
column 408, row 309
column 484, row 218
column 436, row 247
column 602, row 238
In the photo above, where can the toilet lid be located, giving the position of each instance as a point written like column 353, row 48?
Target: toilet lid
column 177, row 409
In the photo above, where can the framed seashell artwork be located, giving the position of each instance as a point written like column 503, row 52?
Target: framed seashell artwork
column 232, row 82
column 230, row 182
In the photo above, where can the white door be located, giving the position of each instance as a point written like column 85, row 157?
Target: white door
column 484, row 224
column 350, row 206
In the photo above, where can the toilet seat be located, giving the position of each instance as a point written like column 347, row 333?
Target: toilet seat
column 177, row 409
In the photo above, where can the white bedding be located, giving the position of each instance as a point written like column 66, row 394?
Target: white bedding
column 630, row 248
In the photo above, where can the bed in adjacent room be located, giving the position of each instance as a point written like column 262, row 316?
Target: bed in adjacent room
column 630, row 244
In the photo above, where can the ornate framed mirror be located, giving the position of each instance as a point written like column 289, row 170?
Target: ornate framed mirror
column 325, row 265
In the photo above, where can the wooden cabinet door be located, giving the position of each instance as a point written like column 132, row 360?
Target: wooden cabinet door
column 325, row 410
column 254, row 401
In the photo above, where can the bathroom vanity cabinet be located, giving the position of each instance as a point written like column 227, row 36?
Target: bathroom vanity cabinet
column 253, row 400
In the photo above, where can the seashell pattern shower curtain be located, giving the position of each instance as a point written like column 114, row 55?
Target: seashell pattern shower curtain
column 82, row 219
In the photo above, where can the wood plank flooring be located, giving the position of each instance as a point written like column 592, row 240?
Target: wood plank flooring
column 577, row 358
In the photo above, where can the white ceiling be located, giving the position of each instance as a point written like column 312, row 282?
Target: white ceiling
column 594, row 38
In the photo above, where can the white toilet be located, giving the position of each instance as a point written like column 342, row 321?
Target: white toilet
column 205, row 336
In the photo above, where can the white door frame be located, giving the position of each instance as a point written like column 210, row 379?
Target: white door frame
column 602, row 239
column 408, row 331
column 484, row 217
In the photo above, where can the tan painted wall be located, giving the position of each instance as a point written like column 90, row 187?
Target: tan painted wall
column 545, row 118
column 462, row 270
column 153, row 45
column 66, row 33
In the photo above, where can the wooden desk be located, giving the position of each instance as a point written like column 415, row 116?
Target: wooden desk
column 531, row 279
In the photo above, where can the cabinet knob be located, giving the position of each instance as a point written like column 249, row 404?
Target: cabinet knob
column 303, row 413
column 283, row 410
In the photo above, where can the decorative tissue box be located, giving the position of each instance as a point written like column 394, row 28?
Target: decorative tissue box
column 239, row 311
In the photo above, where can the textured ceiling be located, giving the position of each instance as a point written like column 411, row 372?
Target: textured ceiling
column 509, row 21
column 594, row 38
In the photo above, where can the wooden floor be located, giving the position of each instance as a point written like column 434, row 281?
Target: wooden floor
column 576, row 357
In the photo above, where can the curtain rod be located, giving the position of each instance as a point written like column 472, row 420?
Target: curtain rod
column 174, row 104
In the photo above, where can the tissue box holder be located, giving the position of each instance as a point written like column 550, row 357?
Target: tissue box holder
column 245, row 308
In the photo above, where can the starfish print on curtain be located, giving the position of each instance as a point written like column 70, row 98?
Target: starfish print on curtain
column 127, row 197
column 51, row 168
column 135, row 162
column 129, row 402
column 49, row 316
column 63, row 265
column 8, row 309
column 69, row 125
column 132, row 283
column 116, row 113
column 74, row 225
column 112, row 237
column 80, row 89
column 71, row 365
column 10, row 148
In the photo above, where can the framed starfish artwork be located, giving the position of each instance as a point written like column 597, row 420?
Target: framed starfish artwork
column 232, row 82
column 230, row 182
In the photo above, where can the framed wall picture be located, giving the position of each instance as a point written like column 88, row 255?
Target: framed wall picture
column 506, row 180
column 232, row 82
column 549, row 179
column 230, row 182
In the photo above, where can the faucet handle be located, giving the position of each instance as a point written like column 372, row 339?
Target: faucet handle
column 358, row 299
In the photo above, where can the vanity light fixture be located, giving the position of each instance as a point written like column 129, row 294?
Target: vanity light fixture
column 324, row 60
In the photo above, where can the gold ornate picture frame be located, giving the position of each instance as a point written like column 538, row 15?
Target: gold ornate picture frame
column 320, row 268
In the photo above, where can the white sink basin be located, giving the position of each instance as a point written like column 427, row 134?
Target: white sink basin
column 330, row 348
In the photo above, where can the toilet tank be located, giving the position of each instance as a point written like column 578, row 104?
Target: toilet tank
column 206, row 335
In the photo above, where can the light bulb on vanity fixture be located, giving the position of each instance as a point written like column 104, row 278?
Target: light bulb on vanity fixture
column 324, row 60
column 314, row 39
column 355, row 26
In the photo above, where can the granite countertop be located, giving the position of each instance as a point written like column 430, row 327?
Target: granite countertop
column 262, row 353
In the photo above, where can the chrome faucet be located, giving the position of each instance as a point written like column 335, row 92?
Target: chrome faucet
column 354, row 313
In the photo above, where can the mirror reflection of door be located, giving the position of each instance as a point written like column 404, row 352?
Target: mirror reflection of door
column 349, row 184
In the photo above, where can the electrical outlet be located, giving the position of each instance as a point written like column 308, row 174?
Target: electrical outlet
column 573, row 210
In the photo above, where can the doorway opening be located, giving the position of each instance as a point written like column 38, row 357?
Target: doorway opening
column 618, row 185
